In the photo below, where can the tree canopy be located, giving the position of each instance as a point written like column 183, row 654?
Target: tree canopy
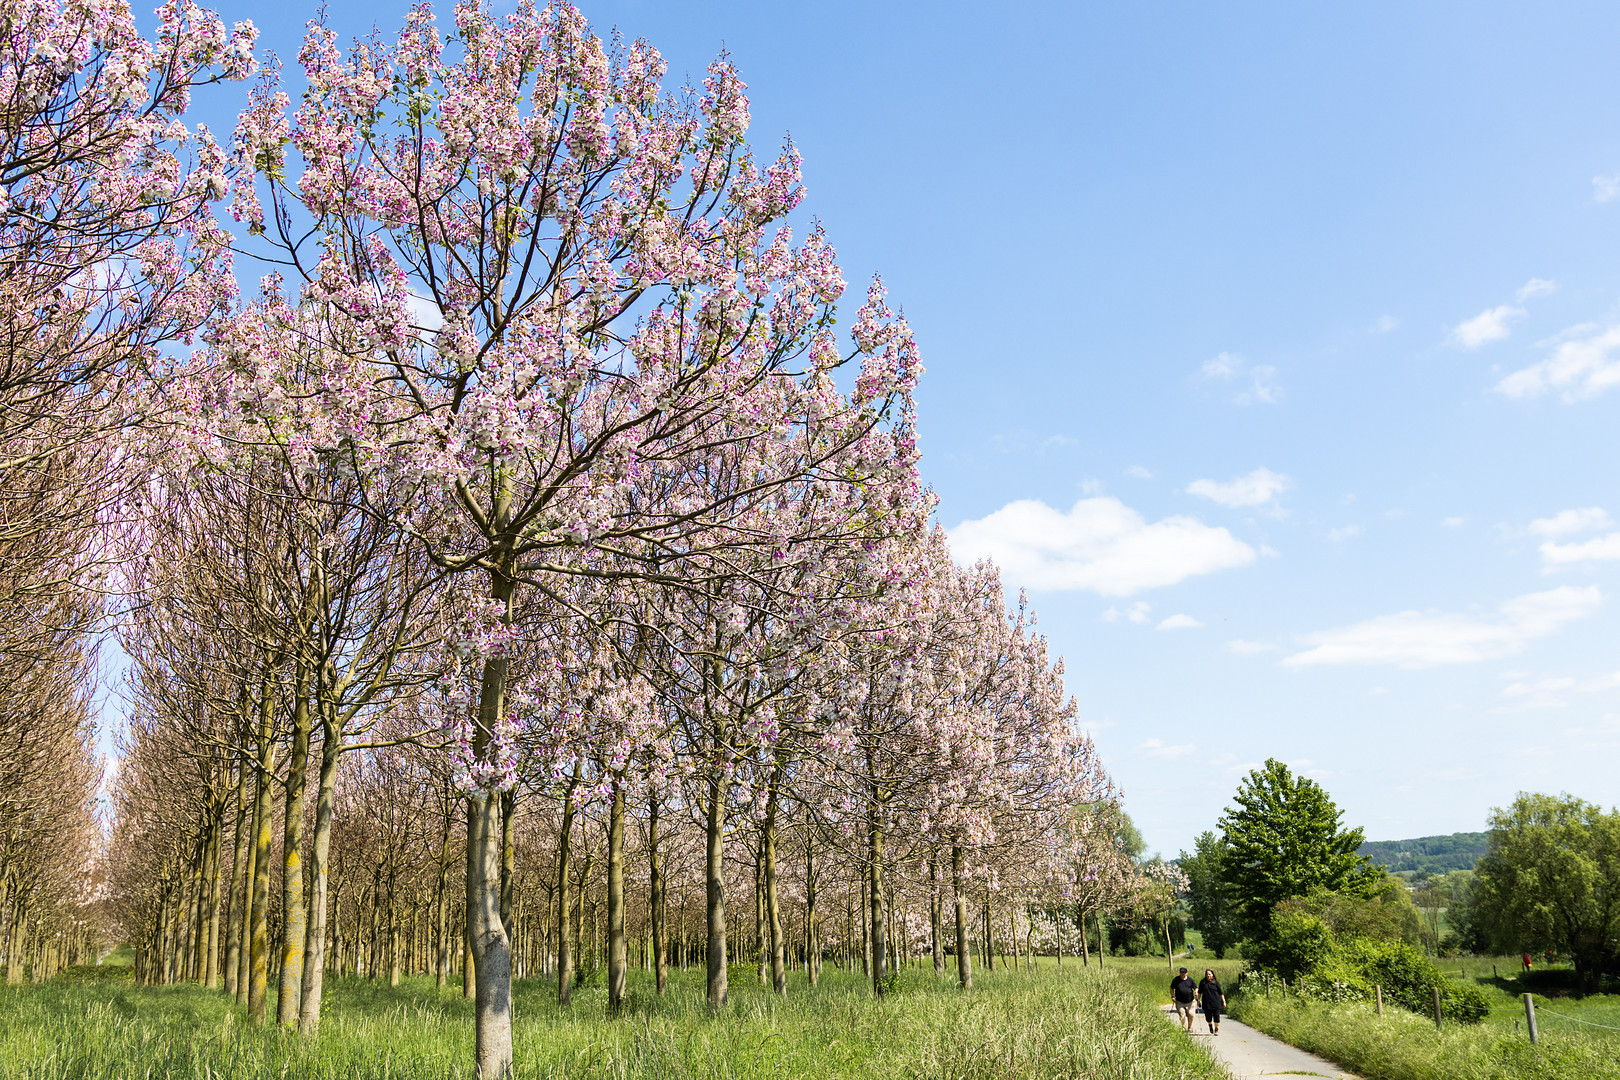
column 1284, row 841
column 1550, row 879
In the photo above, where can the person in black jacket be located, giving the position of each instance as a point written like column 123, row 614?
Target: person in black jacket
column 1213, row 999
column 1182, row 995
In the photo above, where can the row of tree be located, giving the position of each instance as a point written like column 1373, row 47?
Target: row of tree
column 526, row 574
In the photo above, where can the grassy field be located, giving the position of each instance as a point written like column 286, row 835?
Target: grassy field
column 1045, row 1024
column 1404, row 1046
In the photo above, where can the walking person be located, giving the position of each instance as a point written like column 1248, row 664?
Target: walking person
column 1183, row 993
column 1213, row 999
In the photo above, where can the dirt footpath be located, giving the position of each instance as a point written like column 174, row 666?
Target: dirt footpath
column 1247, row 1053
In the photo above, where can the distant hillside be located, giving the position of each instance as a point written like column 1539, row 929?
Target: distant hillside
column 1427, row 854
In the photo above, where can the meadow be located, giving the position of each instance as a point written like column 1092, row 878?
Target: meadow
column 1405, row 1046
column 1049, row 1023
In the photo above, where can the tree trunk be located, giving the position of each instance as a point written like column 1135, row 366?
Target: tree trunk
column 508, row 856
column 936, row 916
column 618, row 958
column 491, row 949
column 294, row 919
column 714, row 874
column 1102, row 942
column 259, row 939
column 874, row 854
column 216, row 840
column 964, row 962
column 812, row 937
column 565, row 957
column 309, row 1012
column 656, row 899
column 237, row 893
column 773, row 910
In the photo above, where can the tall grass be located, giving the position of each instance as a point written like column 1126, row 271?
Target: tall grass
column 1405, row 1046
column 1040, row 1025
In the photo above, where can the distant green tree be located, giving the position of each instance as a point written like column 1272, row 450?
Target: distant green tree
column 1551, row 880
column 1209, row 902
column 1284, row 841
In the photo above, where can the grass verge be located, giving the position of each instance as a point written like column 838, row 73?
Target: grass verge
column 1040, row 1025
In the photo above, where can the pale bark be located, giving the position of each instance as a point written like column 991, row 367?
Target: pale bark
column 294, row 918
column 618, row 955
column 565, row 955
column 309, row 1012
column 715, row 882
column 936, row 904
column 874, row 855
column 773, row 912
column 259, row 938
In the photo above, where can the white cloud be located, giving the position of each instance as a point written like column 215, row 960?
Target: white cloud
column 1249, row 648
column 1141, row 472
column 1580, row 367
column 1416, row 639
column 1384, row 324
column 1251, row 489
column 1486, row 327
column 1571, row 522
column 1136, row 613
column 425, row 314
column 1597, row 549
column 1453, row 522
column 1179, row 622
column 1100, row 544
column 1262, row 386
column 1605, row 188
column 1158, row 748
column 1060, row 440
column 1343, row 533
column 1535, row 287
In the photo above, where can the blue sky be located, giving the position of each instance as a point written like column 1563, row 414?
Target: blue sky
column 1272, row 346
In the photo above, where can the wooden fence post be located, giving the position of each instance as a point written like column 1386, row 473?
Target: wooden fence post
column 1378, row 992
column 1437, row 1008
column 1530, row 1015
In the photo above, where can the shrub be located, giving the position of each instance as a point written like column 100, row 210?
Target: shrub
column 1332, row 970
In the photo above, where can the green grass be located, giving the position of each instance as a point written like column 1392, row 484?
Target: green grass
column 1046, row 1024
column 1405, row 1046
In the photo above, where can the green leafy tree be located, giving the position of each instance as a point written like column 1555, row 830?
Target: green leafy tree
column 1209, row 901
column 1284, row 841
column 1550, row 879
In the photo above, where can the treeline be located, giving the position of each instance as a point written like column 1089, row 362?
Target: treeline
column 1427, row 855
column 528, row 575
column 1286, row 882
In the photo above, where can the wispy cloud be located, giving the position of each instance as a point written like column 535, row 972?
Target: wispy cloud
column 1383, row 324
column 1492, row 323
column 1262, row 386
column 1179, row 622
column 1579, row 367
column 1060, row 440
column 1140, row 472
column 1136, row 613
column 1419, row 639
column 1605, row 188
column 1100, row 545
column 1571, row 522
column 1250, row 648
column 1488, row 326
column 1343, row 533
column 1251, row 489
column 1597, row 549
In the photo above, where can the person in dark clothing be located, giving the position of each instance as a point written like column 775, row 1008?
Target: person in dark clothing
column 1213, row 999
column 1183, row 993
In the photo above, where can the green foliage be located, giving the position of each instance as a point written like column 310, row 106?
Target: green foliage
column 1209, row 901
column 1427, row 855
column 1327, row 965
column 1284, row 841
column 1551, row 880
column 1404, row 1046
column 1045, row 1025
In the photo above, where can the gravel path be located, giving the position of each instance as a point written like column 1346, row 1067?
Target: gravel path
column 1247, row 1053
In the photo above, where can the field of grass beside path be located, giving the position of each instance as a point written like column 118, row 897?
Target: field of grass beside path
column 1405, row 1046
column 1051, row 1023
